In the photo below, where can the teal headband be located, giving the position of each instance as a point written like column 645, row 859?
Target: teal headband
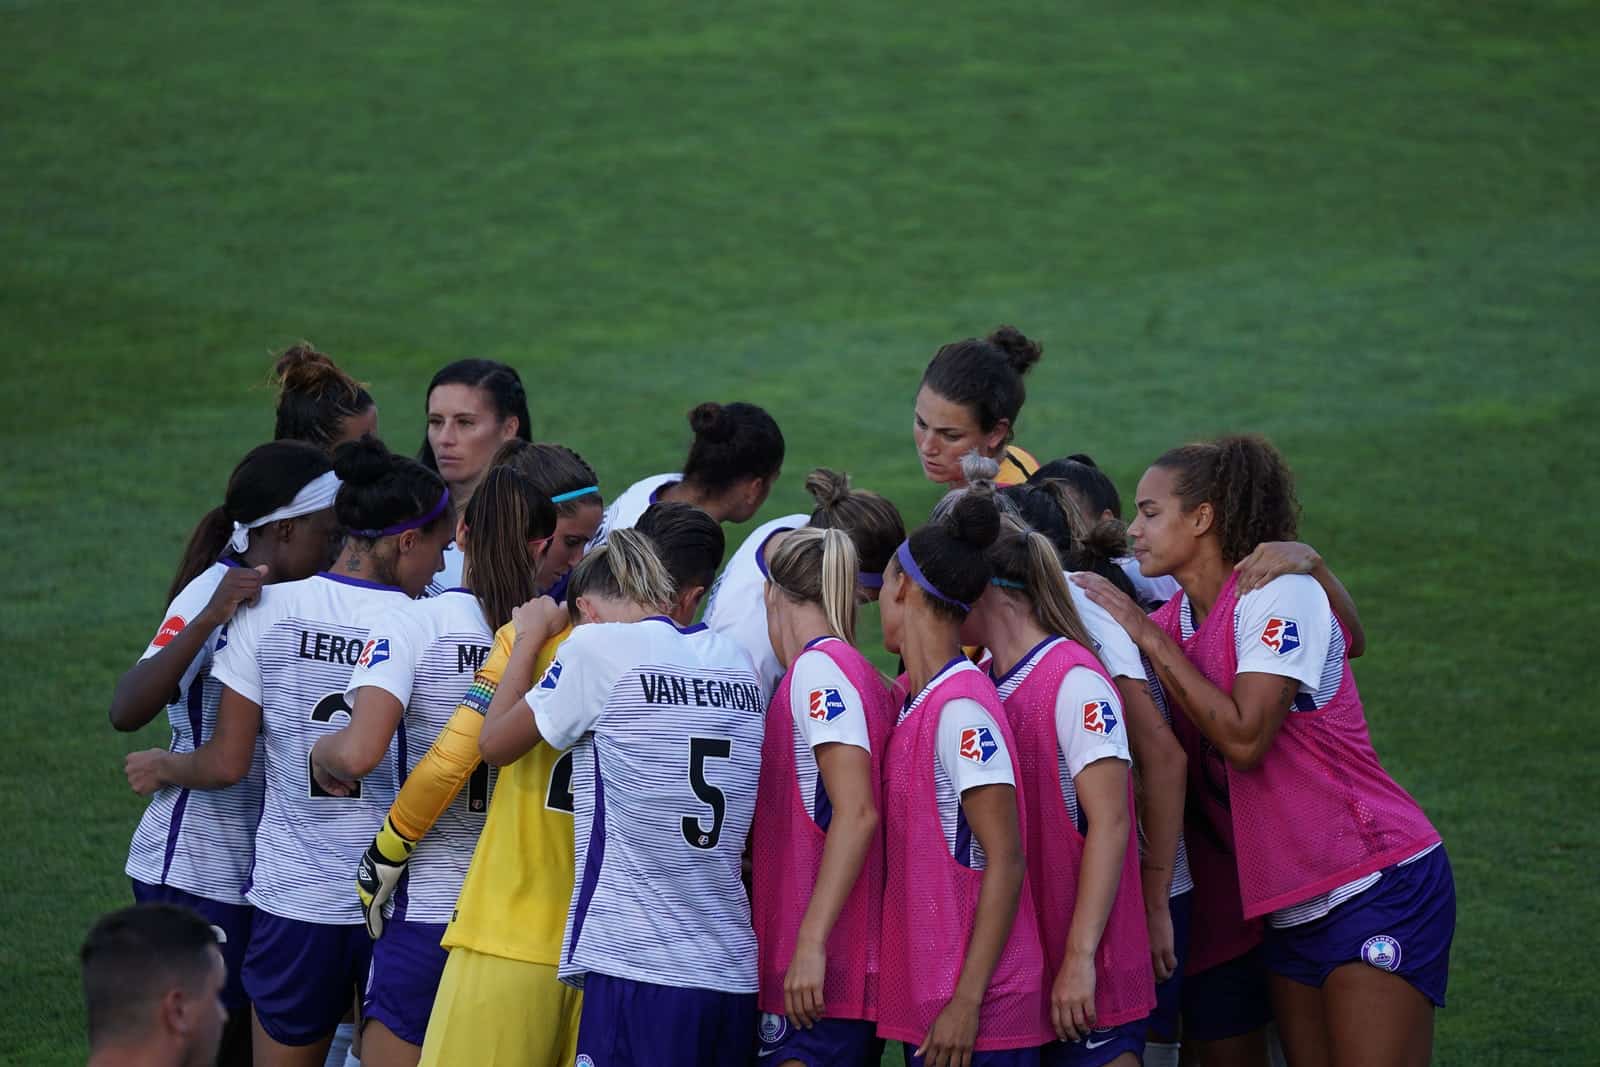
column 1007, row 583
column 562, row 498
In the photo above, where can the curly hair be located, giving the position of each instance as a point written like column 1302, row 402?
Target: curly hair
column 1248, row 485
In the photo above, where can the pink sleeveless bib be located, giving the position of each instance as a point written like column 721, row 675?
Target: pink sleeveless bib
column 1320, row 810
column 930, row 900
column 788, row 843
column 1124, row 981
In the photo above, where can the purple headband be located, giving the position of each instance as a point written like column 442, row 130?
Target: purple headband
column 869, row 579
column 909, row 565
column 410, row 524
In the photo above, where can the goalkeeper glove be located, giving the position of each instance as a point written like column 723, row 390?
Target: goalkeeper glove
column 379, row 874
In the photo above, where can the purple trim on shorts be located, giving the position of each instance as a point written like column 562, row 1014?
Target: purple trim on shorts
column 593, row 858
column 359, row 582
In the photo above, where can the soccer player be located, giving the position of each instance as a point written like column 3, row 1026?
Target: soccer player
column 690, row 545
column 817, row 898
column 738, row 607
column 499, row 1000
column 572, row 485
column 473, row 407
column 665, row 728
column 421, row 662
column 961, row 971
column 969, row 400
column 285, row 666
column 1072, row 754
column 152, row 984
column 318, row 403
column 1342, row 865
column 275, row 524
column 736, row 457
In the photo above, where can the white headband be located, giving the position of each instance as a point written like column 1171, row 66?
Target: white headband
column 315, row 495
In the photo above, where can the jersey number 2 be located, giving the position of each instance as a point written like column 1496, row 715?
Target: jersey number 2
column 700, row 750
column 326, row 709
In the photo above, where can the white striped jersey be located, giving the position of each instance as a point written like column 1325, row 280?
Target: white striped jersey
column 1182, row 880
column 292, row 654
column 958, row 768
column 665, row 727
column 737, row 607
column 201, row 841
column 623, row 513
column 1116, row 649
column 448, row 577
column 435, row 646
column 1080, row 739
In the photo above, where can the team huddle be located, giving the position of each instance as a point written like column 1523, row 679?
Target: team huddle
column 454, row 762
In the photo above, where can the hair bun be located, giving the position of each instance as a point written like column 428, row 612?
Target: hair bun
column 362, row 462
column 304, row 369
column 828, row 488
column 1020, row 352
column 975, row 519
column 709, row 421
column 1086, row 460
column 979, row 470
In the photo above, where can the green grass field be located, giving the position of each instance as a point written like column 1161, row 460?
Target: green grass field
column 1369, row 230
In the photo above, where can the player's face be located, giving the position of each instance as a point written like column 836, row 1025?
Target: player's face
column 355, row 427
column 313, row 545
column 421, row 556
column 1164, row 536
column 892, row 607
column 566, row 546
column 465, row 430
column 944, row 431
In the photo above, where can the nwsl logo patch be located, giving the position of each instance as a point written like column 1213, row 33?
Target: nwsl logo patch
column 551, row 676
column 375, row 651
column 826, row 704
column 1282, row 636
column 978, row 744
column 1099, row 718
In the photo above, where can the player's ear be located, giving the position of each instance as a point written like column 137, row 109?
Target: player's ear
column 996, row 437
column 461, row 530
column 283, row 530
column 689, row 601
column 1202, row 518
column 407, row 541
column 173, row 1012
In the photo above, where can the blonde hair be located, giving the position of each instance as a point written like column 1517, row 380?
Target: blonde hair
column 626, row 567
column 813, row 566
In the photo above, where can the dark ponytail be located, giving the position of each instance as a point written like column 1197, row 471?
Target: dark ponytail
column 505, row 513
column 555, row 470
column 382, row 489
column 314, row 397
column 500, row 381
column 1051, row 508
column 1091, row 484
column 874, row 526
column 1248, row 485
column 985, row 376
column 732, row 442
column 268, row 478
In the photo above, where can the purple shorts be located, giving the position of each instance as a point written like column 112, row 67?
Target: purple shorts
column 1012, row 1057
column 1098, row 1048
column 1227, row 1000
column 303, row 977
column 1404, row 925
column 846, row 1042
column 407, row 962
column 234, row 920
column 626, row 1023
column 1166, row 1020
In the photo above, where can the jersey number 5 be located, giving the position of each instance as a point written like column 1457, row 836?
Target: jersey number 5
column 700, row 750
column 326, row 709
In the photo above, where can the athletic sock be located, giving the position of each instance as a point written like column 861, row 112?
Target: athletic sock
column 1159, row 1054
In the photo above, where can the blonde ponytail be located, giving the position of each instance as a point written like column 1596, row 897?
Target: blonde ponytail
column 626, row 567
column 814, row 566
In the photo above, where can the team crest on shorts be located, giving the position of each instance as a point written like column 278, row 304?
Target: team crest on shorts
column 1098, row 718
column 1382, row 952
column 583, row 1060
column 978, row 744
column 1282, row 636
column 375, row 651
column 826, row 704
column 774, row 1028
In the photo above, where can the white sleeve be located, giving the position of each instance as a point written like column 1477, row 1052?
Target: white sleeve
column 234, row 663
column 971, row 748
column 1117, row 650
column 571, row 696
column 826, row 707
column 1089, row 724
column 190, row 602
column 1284, row 629
column 389, row 658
